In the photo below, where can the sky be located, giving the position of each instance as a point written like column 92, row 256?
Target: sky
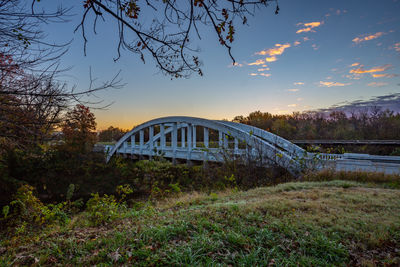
column 311, row 56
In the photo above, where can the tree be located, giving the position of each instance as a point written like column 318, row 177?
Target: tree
column 111, row 134
column 79, row 129
column 168, row 39
column 32, row 97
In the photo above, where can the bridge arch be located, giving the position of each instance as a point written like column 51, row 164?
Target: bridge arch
column 262, row 144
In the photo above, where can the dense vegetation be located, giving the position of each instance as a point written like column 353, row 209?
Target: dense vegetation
column 368, row 124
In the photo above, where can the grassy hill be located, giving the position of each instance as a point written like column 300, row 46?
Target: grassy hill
column 308, row 224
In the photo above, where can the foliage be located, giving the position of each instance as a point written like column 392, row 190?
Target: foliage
column 103, row 209
column 28, row 212
column 111, row 134
column 367, row 124
column 372, row 124
column 78, row 129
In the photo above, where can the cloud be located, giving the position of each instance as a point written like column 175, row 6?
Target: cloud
column 308, row 27
column 293, row 90
column 361, row 69
column 298, row 83
column 277, row 50
column 271, row 59
column 331, row 84
column 384, row 75
column 257, row 62
column 235, row 65
column 263, row 69
column 397, row 47
column 355, row 64
column 315, row 47
column 296, row 43
column 369, row 37
column 375, row 84
column 353, row 76
column 260, row 74
column 300, row 99
column 391, row 102
column 292, row 105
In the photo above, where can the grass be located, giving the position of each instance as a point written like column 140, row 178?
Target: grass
column 303, row 223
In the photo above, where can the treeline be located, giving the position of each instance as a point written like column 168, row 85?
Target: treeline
column 361, row 125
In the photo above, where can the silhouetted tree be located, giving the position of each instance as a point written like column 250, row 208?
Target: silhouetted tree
column 111, row 134
column 175, row 25
column 79, row 129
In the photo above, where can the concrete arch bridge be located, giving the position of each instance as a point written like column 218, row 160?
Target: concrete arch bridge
column 197, row 139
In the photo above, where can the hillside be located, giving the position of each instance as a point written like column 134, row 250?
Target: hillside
column 309, row 223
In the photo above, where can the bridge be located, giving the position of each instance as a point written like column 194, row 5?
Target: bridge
column 197, row 139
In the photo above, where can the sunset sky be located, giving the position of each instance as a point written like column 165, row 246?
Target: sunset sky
column 312, row 55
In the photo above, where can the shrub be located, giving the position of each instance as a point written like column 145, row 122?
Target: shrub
column 27, row 211
column 103, row 209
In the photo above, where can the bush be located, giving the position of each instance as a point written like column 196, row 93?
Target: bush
column 27, row 211
column 103, row 209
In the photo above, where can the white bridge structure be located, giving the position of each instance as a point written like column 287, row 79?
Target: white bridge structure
column 197, row 139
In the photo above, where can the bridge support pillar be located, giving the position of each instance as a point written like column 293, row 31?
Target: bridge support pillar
column 183, row 137
column 189, row 142
column 162, row 136
column 194, row 136
column 206, row 139
column 141, row 143
column 151, row 135
column 174, row 141
column 133, row 144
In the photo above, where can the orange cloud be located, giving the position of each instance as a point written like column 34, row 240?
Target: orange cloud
column 361, row 70
column 312, row 24
column 375, row 84
column 331, row 84
column 304, row 30
column 296, row 43
column 293, row 90
column 384, row 75
column 354, row 64
column 261, row 74
column 299, row 83
column 364, row 38
column 271, row 59
column 257, row 62
column 274, row 51
column 263, row 69
column 309, row 26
